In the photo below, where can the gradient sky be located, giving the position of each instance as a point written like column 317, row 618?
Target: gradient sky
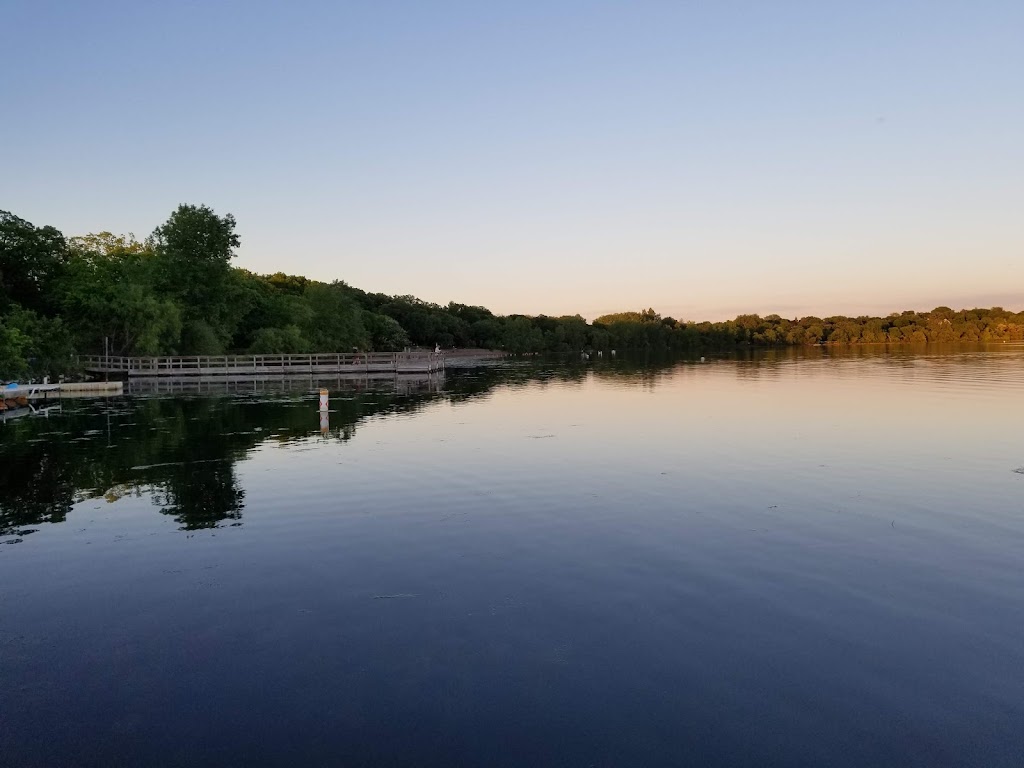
column 702, row 158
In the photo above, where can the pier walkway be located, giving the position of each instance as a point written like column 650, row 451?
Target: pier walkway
column 356, row 364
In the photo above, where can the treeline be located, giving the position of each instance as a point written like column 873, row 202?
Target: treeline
column 176, row 292
column 173, row 293
column 647, row 329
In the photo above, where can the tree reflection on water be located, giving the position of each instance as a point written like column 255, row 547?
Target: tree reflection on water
column 178, row 450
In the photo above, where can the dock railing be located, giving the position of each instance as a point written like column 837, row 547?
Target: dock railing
column 265, row 365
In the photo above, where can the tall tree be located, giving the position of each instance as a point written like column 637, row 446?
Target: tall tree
column 194, row 248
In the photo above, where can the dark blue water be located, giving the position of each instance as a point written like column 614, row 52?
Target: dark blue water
column 787, row 560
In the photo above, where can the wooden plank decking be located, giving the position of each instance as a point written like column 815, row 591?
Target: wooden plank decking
column 265, row 365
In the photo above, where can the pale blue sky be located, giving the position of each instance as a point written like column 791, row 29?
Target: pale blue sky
column 703, row 158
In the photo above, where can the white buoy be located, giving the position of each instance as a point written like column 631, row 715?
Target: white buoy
column 323, row 399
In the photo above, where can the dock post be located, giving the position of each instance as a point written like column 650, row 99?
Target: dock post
column 325, row 415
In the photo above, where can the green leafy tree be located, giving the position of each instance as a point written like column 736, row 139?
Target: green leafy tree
column 194, row 248
column 108, row 292
column 42, row 345
column 334, row 323
column 279, row 341
column 487, row 333
column 31, row 260
column 386, row 334
column 13, row 342
column 522, row 337
column 261, row 302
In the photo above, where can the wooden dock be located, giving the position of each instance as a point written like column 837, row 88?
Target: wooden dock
column 336, row 364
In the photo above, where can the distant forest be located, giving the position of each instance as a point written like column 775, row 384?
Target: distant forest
column 176, row 292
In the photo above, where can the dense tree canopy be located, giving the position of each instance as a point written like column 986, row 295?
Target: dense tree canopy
column 193, row 251
column 110, row 292
column 178, row 293
column 31, row 261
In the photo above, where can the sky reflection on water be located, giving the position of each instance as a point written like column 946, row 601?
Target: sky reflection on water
column 788, row 559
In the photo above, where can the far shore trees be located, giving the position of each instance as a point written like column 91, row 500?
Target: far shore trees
column 177, row 292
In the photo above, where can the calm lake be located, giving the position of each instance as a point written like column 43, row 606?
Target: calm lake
column 801, row 558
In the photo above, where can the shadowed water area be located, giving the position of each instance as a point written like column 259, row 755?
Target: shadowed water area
column 792, row 558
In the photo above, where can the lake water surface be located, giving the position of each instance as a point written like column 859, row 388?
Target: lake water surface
column 797, row 558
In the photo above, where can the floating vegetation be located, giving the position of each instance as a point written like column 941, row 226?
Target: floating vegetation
column 1019, row 470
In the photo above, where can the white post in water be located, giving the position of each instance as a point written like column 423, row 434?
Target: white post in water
column 325, row 416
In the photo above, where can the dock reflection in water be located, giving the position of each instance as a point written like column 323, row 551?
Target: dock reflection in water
column 180, row 451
